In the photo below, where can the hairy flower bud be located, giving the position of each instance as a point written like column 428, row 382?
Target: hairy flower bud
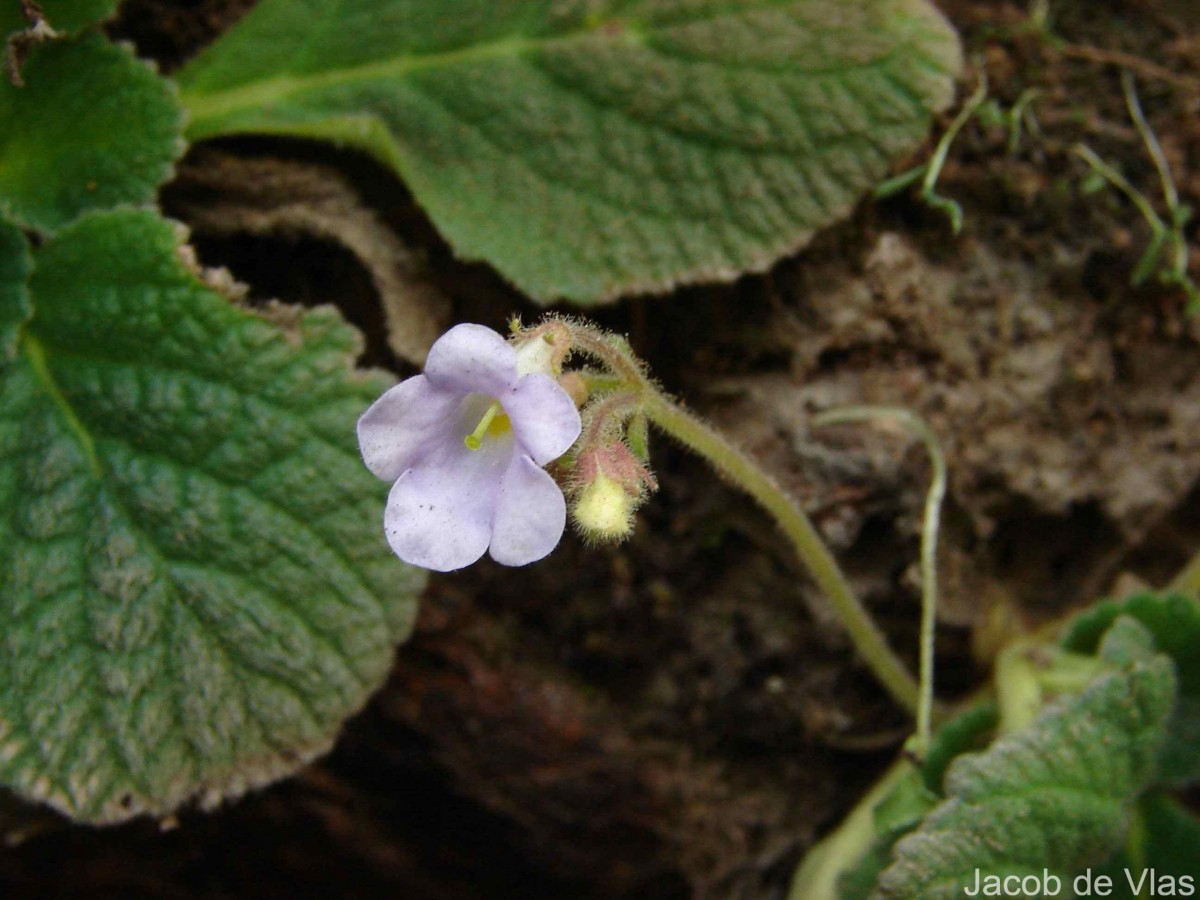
column 604, row 511
column 609, row 484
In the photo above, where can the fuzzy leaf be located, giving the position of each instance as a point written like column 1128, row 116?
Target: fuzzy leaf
column 1054, row 796
column 1174, row 622
column 194, row 586
column 92, row 127
column 591, row 148
column 970, row 730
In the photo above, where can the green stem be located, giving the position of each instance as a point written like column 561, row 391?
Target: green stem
column 1152, row 145
column 929, row 184
column 930, row 526
column 744, row 472
column 606, row 416
column 692, row 432
column 610, row 350
column 1018, row 691
column 1158, row 229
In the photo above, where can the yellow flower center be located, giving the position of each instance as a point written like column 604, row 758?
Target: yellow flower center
column 493, row 424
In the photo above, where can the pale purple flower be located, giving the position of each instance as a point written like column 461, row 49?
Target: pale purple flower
column 465, row 443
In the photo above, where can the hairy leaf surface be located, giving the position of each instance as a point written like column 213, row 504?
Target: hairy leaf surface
column 590, row 148
column 1055, row 796
column 194, row 586
column 1174, row 622
column 92, row 127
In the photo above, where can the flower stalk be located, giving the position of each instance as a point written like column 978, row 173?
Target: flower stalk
column 646, row 401
column 465, row 445
column 689, row 430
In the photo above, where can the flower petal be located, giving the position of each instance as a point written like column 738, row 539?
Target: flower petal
column 472, row 359
column 543, row 416
column 530, row 514
column 397, row 429
column 439, row 514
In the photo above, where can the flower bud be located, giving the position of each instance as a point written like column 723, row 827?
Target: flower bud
column 604, row 511
column 609, row 484
column 542, row 349
column 535, row 355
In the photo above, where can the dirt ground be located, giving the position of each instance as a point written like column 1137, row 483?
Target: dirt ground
column 680, row 716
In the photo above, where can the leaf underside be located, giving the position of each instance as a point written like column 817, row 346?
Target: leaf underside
column 592, row 149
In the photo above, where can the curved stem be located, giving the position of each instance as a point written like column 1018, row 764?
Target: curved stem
column 744, row 472
column 607, row 415
column 929, row 539
column 610, row 350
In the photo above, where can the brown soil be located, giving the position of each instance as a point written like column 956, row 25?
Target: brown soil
column 680, row 716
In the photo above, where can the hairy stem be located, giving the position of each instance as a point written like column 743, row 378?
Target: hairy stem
column 744, row 472
column 930, row 526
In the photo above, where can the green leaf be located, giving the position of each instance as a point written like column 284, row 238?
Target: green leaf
column 895, row 815
column 969, row 730
column 1127, row 641
column 14, row 295
column 91, row 128
column 1163, row 846
column 1054, row 796
column 591, row 148
column 1174, row 622
column 195, row 590
column 64, row 16
column 1170, row 836
column 898, row 813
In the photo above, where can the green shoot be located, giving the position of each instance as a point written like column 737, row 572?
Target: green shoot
column 932, row 169
column 1164, row 235
column 1020, row 113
